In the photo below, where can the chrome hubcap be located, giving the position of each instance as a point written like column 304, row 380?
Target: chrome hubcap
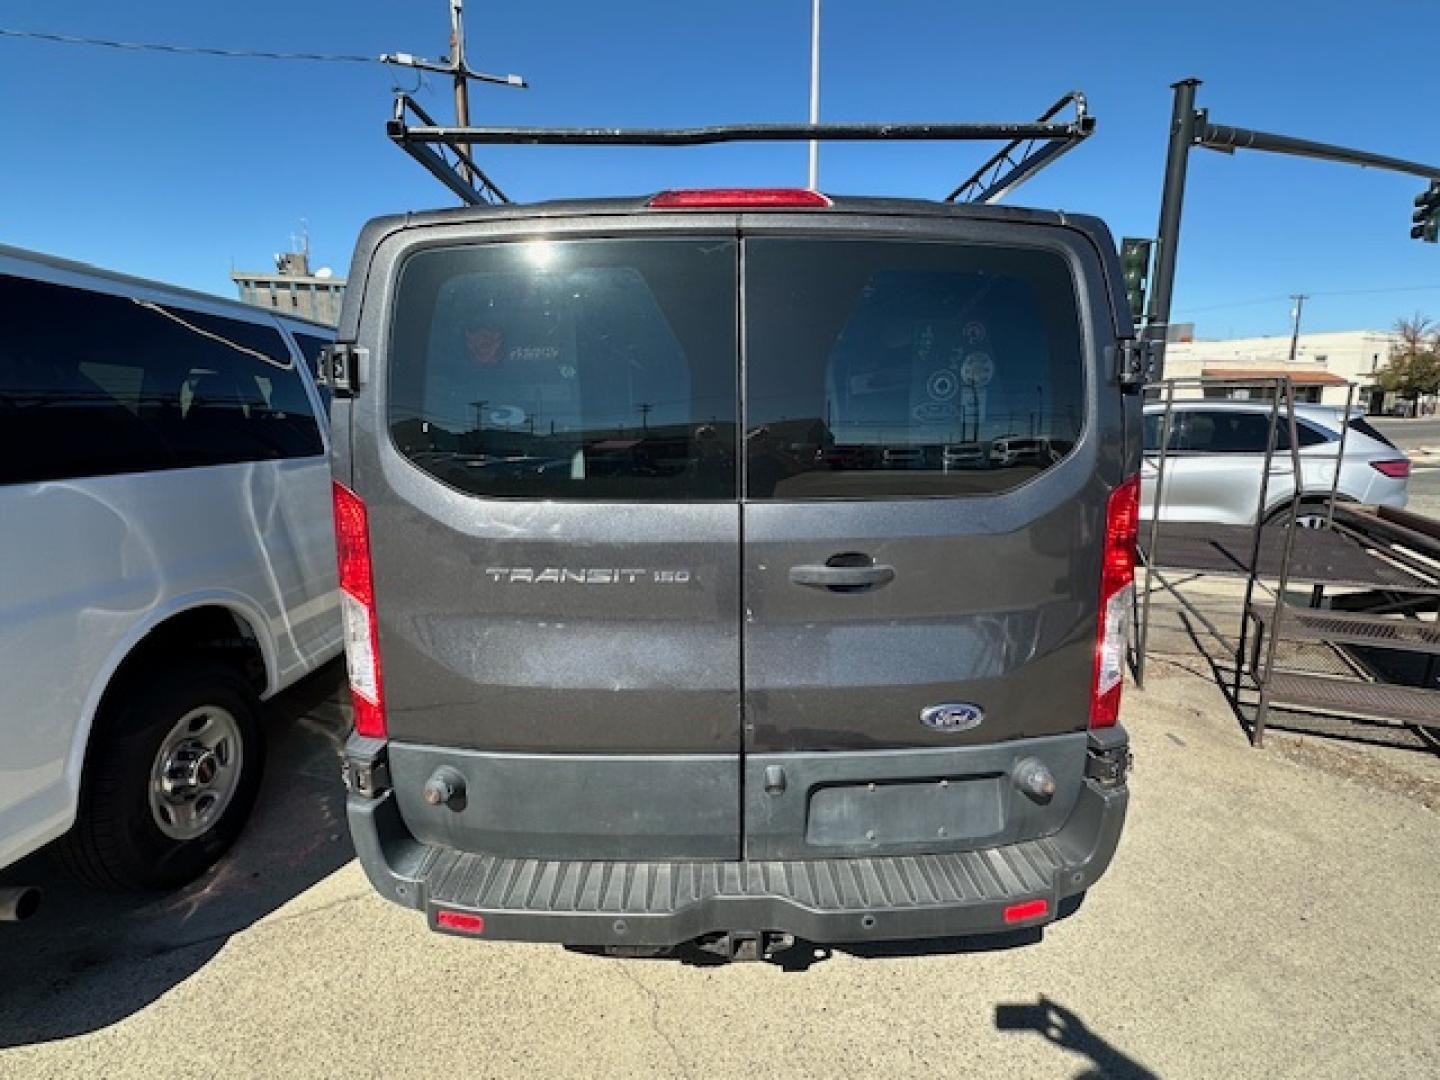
column 196, row 771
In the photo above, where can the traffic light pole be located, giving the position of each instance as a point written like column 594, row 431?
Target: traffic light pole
column 1167, row 238
column 1189, row 128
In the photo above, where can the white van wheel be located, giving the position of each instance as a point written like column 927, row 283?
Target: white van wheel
column 196, row 772
column 172, row 771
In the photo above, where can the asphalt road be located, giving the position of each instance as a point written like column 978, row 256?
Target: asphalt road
column 1270, row 914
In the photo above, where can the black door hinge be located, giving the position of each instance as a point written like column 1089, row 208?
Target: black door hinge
column 340, row 368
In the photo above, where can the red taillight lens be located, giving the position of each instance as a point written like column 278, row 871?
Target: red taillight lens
column 1117, row 590
column 1395, row 468
column 357, row 610
column 733, row 198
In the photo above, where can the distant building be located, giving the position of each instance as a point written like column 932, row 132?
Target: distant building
column 293, row 289
column 1325, row 364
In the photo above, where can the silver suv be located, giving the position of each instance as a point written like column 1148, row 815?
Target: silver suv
column 1216, row 460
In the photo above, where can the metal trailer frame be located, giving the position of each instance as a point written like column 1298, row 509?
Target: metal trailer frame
column 1030, row 146
column 1380, row 540
column 1281, row 389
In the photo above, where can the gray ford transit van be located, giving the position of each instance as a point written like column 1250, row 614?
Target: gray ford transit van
column 687, row 596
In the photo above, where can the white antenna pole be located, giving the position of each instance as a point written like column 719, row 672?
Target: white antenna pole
column 814, row 91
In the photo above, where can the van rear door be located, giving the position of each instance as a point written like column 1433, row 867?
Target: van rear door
column 929, row 448
column 551, row 485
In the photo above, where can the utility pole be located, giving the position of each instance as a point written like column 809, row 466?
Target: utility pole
column 1295, row 313
column 814, row 92
column 457, row 65
column 454, row 65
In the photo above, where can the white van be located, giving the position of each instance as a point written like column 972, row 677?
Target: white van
column 166, row 562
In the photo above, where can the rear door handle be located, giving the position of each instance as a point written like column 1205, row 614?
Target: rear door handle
column 842, row 577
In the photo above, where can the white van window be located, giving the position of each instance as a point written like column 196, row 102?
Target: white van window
column 93, row 384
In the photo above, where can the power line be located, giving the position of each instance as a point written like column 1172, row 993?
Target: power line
column 189, row 50
column 1330, row 292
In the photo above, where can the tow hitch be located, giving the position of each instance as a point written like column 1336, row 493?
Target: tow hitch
column 746, row 944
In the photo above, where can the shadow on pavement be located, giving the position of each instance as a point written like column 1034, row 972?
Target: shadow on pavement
column 1068, row 1032
column 89, row 959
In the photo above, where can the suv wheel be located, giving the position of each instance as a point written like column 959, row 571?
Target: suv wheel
column 1308, row 515
column 172, row 771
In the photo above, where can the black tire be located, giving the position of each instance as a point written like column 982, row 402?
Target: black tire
column 1307, row 508
column 117, row 842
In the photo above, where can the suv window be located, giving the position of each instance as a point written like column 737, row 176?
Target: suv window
column 93, row 384
column 1366, row 428
column 580, row 369
column 1227, row 431
column 888, row 369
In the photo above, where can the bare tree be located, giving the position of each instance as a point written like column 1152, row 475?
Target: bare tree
column 1413, row 369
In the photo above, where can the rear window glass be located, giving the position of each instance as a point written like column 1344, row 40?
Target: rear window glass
column 1366, row 428
column 587, row 369
column 890, row 369
column 94, row 384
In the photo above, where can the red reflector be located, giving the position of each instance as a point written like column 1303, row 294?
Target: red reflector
column 1396, row 468
column 1029, row 909
column 460, row 921
column 724, row 198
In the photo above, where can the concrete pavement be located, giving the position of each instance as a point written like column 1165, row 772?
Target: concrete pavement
column 1270, row 914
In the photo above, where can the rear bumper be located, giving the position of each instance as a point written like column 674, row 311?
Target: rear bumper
column 666, row 902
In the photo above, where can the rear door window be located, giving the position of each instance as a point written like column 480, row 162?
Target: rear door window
column 600, row 370
column 95, row 384
column 885, row 369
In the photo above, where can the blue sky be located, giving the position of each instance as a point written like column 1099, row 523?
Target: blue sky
column 174, row 166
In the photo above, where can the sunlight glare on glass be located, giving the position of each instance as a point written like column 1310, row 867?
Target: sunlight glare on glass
column 540, row 254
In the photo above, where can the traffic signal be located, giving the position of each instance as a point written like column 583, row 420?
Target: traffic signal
column 1427, row 214
column 1135, row 262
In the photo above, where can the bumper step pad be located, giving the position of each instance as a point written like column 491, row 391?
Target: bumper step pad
column 614, row 904
column 483, row 882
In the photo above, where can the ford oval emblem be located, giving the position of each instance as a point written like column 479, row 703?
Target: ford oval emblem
column 952, row 717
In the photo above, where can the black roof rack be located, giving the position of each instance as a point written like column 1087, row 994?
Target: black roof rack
column 445, row 150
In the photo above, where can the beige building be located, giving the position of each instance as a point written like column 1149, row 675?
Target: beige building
column 1325, row 364
column 293, row 289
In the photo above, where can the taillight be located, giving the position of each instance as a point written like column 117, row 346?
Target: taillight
column 357, row 610
column 737, row 198
column 1117, row 592
column 1395, row 468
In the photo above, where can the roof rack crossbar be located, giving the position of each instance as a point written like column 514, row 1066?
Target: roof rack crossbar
column 1003, row 173
column 1048, row 139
